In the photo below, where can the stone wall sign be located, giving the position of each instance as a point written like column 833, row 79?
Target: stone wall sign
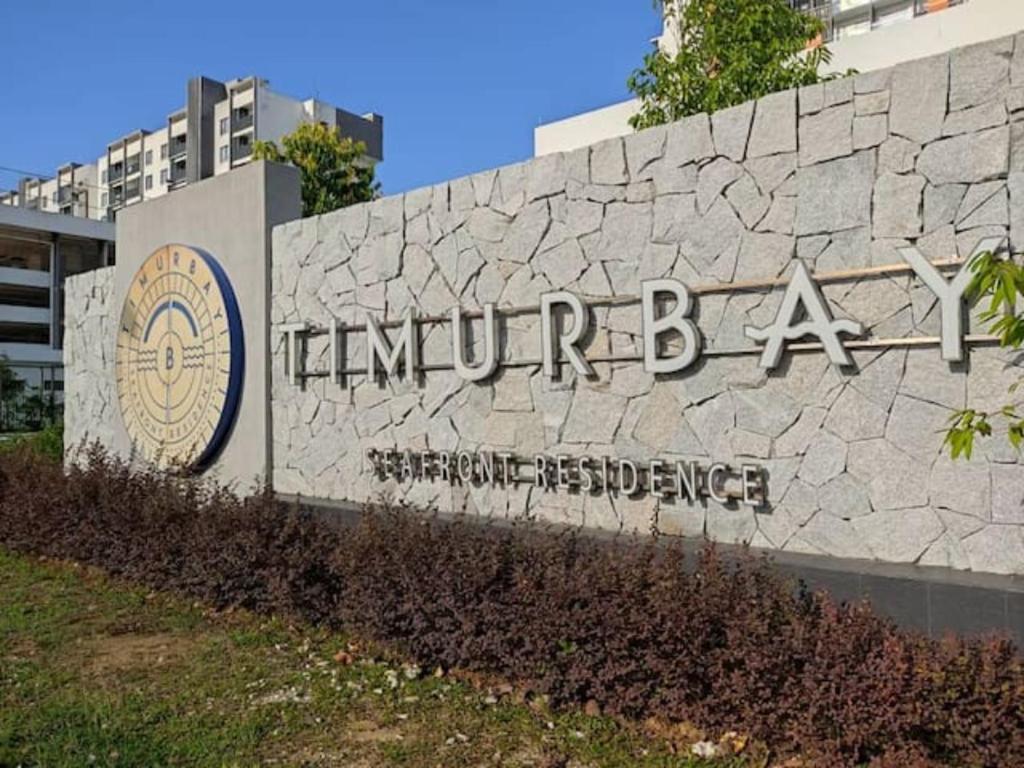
column 778, row 286
column 748, row 326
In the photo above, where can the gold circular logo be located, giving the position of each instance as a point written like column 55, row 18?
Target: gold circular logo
column 180, row 357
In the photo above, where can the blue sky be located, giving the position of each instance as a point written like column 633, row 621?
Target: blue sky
column 461, row 84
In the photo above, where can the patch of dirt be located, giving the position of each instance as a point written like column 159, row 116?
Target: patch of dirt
column 21, row 649
column 324, row 759
column 368, row 732
column 110, row 654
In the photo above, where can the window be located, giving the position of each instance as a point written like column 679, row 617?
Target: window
column 18, row 296
column 163, row 151
column 224, row 153
column 24, row 333
column 103, row 176
column 103, row 199
column 163, row 176
column 223, row 126
column 24, row 254
column 149, row 181
column 149, row 157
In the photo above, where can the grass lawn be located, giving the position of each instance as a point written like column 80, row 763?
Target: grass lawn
column 95, row 672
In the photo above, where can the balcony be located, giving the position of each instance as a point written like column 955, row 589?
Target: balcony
column 241, row 148
column 823, row 11
column 115, row 173
column 24, row 277
column 134, row 164
column 177, row 172
column 13, row 314
column 64, row 194
column 29, row 352
column 132, row 189
column 241, row 120
column 178, row 145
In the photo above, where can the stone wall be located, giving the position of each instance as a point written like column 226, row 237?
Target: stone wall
column 838, row 175
column 90, row 335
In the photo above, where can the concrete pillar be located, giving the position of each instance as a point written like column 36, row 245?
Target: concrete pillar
column 56, row 297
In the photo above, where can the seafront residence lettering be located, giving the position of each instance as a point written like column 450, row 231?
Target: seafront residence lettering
column 666, row 311
column 682, row 481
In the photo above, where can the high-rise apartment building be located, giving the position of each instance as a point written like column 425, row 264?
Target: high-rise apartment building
column 864, row 35
column 214, row 132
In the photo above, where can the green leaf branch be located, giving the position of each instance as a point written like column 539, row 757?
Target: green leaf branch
column 730, row 51
column 1001, row 281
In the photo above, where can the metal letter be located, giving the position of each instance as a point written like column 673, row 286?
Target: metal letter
column 657, row 478
column 378, row 350
column 753, row 485
column 562, row 470
column 802, row 290
column 444, row 466
column 555, row 344
column 586, row 479
column 716, row 491
column 332, row 349
column 540, row 471
column 464, row 464
column 634, row 477
column 486, row 467
column 506, row 475
column 373, row 456
column 950, row 294
column 293, row 364
column 675, row 320
column 485, row 368
column 686, row 480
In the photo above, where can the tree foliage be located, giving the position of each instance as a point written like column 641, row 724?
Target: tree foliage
column 12, row 389
column 731, row 51
column 1001, row 282
column 334, row 171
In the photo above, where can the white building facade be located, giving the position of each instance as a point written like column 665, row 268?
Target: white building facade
column 37, row 251
column 863, row 35
column 212, row 134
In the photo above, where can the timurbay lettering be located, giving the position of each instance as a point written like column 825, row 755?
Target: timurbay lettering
column 667, row 310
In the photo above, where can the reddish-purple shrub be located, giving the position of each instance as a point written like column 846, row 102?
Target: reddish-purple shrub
column 723, row 643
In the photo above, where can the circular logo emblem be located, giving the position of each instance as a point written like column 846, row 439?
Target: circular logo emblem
column 180, row 357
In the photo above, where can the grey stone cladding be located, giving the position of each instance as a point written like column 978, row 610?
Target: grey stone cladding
column 90, row 337
column 838, row 175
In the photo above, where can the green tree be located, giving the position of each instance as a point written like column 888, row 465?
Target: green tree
column 334, row 171
column 12, row 387
column 731, row 51
column 1001, row 282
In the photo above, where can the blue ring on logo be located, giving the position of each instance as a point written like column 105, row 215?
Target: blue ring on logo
column 236, row 377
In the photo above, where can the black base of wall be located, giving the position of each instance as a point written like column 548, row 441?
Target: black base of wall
column 931, row 600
